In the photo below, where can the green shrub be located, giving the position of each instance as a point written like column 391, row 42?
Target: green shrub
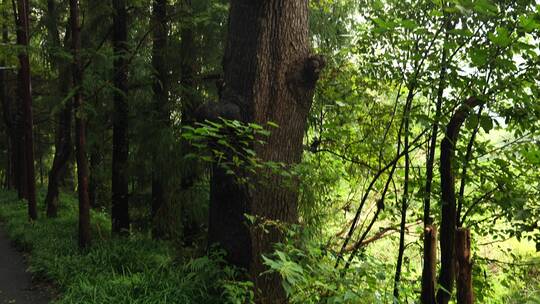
column 135, row 269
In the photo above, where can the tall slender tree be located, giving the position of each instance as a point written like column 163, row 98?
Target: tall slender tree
column 80, row 128
column 7, row 112
column 270, row 75
column 161, row 99
column 120, row 207
column 63, row 141
column 25, row 92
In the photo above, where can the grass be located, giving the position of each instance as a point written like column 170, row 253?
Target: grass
column 134, row 269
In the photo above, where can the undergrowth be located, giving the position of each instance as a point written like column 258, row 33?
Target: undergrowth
column 134, row 269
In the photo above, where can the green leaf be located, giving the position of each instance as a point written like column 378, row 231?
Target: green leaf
column 472, row 122
column 479, row 57
column 502, row 38
column 485, row 7
column 487, row 123
column 528, row 23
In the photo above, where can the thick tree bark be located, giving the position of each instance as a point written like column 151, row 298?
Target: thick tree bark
column 63, row 141
column 120, row 207
column 429, row 274
column 448, row 211
column 161, row 100
column 25, row 91
column 270, row 75
column 465, row 293
column 80, row 128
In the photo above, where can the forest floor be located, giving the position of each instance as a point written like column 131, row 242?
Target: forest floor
column 16, row 284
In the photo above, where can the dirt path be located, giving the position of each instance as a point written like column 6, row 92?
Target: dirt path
column 15, row 283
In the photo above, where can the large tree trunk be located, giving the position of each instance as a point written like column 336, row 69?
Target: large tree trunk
column 448, row 195
column 25, row 91
column 120, row 208
column 80, row 128
column 270, row 75
column 63, row 142
column 161, row 99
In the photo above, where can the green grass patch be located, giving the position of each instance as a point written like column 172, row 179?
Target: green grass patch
column 134, row 269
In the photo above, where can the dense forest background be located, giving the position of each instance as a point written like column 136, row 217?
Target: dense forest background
column 208, row 151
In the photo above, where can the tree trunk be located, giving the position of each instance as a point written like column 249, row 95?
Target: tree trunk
column 93, row 183
column 18, row 152
column 464, row 276
column 161, row 99
column 405, row 199
column 7, row 112
column 190, row 101
column 430, row 265
column 80, row 127
column 120, row 207
column 270, row 75
column 25, row 91
column 448, row 195
column 63, row 142
column 428, row 291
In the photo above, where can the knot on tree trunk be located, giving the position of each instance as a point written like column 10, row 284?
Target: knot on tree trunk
column 303, row 77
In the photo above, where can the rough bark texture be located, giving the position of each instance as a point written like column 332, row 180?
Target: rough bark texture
column 465, row 293
column 448, row 194
column 270, row 75
column 430, row 265
column 63, row 141
column 25, row 93
column 120, row 207
column 82, row 162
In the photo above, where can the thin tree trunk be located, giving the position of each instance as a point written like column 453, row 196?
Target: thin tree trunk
column 426, row 281
column 464, row 168
column 270, row 75
column 63, row 141
column 18, row 152
column 82, row 162
column 465, row 291
column 95, row 161
column 190, row 101
column 61, row 158
column 429, row 274
column 161, row 99
column 448, row 195
column 25, row 91
column 120, row 187
column 405, row 199
column 7, row 113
